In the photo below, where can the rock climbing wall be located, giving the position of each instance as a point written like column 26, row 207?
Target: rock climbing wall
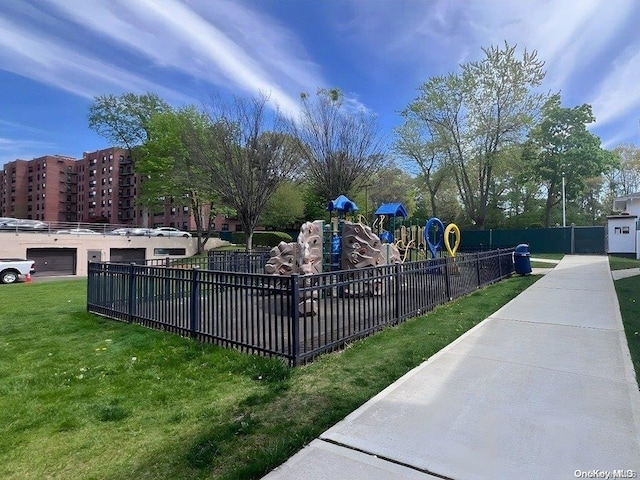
column 310, row 247
column 284, row 259
column 360, row 247
column 303, row 257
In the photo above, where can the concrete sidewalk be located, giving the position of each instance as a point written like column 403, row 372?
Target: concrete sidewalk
column 542, row 389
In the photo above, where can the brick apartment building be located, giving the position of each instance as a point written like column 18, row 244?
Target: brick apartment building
column 41, row 189
column 101, row 187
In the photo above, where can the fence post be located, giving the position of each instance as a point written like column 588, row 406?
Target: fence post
column 398, row 276
column 447, row 278
column 132, row 291
column 194, row 310
column 294, row 330
column 499, row 265
column 478, row 268
column 167, row 262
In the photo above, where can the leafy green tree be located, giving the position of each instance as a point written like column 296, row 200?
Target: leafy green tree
column 471, row 116
column 170, row 167
column 625, row 178
column 315, row 205
column 124, row 120
column 285, row 209
column 341, row 148
column 392, row 185
column 561, row 146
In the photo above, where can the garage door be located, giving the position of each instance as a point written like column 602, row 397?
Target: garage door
column 127, row 255
column 54, row 261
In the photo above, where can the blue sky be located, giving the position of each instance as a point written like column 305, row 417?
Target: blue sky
column 56, row 55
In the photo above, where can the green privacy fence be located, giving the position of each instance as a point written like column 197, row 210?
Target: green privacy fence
column 577, row 240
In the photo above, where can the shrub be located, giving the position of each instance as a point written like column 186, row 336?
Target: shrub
column 262, row 239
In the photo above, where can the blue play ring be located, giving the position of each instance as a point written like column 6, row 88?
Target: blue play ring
column 434, row 247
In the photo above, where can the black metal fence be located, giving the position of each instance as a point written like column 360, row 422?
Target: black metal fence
column 223, row 261
column 297, row 317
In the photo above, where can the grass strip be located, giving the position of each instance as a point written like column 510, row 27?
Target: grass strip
column 622, row 263
column 629, row 299
column 87, row 397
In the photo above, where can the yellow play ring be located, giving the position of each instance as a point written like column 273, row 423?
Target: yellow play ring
column 452, row 227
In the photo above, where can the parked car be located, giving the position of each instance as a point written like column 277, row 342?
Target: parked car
column 169, row 232
column 77, row 231
column 147, row 232
column 22, row 225
column 121, row 231
column 13, row 269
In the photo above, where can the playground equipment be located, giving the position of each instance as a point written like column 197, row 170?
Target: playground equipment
column 452, row 228
column 390, row 212
column 342, row 245
column 434, row 224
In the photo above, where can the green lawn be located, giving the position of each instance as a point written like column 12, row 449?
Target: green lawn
column 629, row 299
column 622, row 263
column 549, row 256
column 87, row 397
column 545, row 256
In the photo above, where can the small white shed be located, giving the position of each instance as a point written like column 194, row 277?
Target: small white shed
column 621, row 234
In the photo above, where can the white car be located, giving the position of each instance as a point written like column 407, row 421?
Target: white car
column 77, row 231
column 168, row 232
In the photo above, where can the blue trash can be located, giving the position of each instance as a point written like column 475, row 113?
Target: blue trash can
column 522, row 259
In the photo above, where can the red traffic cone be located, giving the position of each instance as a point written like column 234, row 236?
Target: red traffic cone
column 28, row 279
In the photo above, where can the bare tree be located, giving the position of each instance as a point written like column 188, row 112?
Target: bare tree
column 341, row 148
column 247, row 156
column 416, row 144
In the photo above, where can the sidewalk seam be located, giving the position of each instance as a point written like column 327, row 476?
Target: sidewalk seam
column 386, row 459
column 621, row 382
column 550, row 323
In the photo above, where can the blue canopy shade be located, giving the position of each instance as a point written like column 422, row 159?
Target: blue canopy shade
column 343, row 205
column 392, row 209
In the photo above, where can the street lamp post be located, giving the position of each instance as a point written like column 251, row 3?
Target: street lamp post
column 564, row 209
column 366, row 202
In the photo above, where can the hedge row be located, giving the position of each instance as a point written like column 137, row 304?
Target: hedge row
column 262, row 239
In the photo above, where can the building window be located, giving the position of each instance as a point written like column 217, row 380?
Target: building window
column 225, row 227
column 169, row 251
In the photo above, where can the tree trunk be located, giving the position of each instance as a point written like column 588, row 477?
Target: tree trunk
column 249, row 236
column 547, row 211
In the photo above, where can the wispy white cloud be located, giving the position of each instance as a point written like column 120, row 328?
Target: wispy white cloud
column 49, row 60
column 16, row 141
column 221, row 44
column 619, row 95
column 13, row 149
